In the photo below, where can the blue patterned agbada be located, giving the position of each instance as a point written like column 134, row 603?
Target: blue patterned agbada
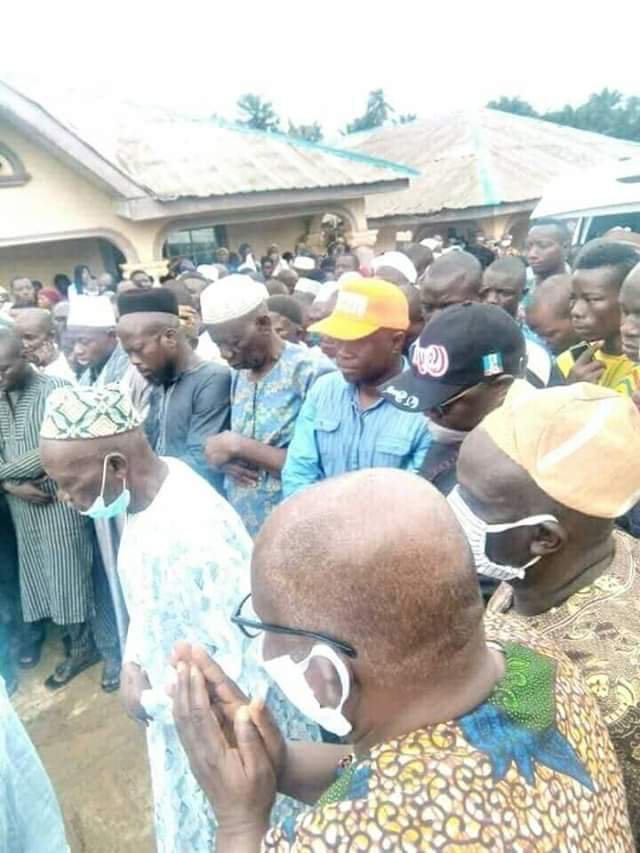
column 267, row 411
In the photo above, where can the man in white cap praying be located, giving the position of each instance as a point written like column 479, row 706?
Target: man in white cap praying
column 91, row 326
column 55, row 549
column 303, row 264
column 270, row 381
column 184, row 564
column 395, row 267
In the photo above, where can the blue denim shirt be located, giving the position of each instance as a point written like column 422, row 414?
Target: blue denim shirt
column 334, row 435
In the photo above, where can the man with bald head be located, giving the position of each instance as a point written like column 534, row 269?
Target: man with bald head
column 459, row 736
column 189, row 400
column 451, row 279
column 549, row 313
column 37, row 330
column 544, row 523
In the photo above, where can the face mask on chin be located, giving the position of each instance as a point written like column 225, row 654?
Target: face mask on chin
column 476, row 530
column 446, row 435
column 289, row 675
column 120, row 505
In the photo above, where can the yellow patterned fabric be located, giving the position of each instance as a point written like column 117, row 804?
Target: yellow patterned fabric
column 620, row 373
column 599, row 629
column 517, row 773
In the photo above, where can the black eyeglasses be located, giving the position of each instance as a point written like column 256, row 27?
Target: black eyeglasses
column 252, row 628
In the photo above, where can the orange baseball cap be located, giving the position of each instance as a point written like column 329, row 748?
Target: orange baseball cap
column 364, row 306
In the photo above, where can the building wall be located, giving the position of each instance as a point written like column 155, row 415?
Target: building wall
column 260, row 235
column 43, row 260
column 57, row 201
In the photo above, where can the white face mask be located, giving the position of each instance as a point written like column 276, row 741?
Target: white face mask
column 289, row 675
column 446, row 435
column 476, row 530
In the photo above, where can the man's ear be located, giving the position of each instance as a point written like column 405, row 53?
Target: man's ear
column 549, row 537
column 324, row 680
column 118, row 465
column 398, row 340
column 263, row 323
column 171, row 334
column 499, row 388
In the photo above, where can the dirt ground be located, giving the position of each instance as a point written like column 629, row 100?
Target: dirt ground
column 95, row 756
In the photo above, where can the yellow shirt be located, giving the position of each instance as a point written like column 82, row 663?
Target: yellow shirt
column 620, row 373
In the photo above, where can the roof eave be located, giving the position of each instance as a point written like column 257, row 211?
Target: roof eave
column 453, row 215
column 153, row 208
column 36, row 123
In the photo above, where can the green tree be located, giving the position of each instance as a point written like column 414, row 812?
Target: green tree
column 376, row 114
column 310, row 132
column 513, row 105
column 608, row 112
column 258, row 113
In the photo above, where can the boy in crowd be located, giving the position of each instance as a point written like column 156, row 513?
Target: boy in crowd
column 600, row 269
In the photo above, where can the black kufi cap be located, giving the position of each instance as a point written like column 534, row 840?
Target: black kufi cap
column 157, row 300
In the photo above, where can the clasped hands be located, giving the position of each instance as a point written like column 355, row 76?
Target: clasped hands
column 235, row 749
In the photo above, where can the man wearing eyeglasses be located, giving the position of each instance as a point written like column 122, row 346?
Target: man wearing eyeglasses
column 458, row 735
column 462, row 367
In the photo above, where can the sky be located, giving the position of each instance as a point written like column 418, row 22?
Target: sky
column 318, row 61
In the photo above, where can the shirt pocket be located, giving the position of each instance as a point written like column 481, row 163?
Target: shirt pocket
column 327, row 439
column 391, row 452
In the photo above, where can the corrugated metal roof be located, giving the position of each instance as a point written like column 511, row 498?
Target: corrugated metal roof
column 176, row 156
column 481, row 158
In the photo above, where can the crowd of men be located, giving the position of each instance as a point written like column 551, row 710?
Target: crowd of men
column 354, row 536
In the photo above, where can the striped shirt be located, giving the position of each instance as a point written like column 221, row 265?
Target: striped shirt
column 55, row 546
column 334, row 435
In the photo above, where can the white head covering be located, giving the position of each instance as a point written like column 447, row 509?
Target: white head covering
column 397, row 261
column 209, row 272
column 307, row 285
column 231, row 297
column 91, row 312
column 346, row 277
column 327, row 290
column 304, row 263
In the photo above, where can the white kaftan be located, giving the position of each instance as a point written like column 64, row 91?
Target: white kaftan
column 184, row 565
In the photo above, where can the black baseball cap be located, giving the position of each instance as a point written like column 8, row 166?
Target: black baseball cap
column 461, row 347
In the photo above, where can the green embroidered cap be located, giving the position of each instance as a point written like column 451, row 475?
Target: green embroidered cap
column 75, row 413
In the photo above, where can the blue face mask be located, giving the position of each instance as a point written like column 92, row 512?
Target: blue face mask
column 120, row 505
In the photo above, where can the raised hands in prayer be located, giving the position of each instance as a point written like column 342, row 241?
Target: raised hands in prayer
column 234, row 747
